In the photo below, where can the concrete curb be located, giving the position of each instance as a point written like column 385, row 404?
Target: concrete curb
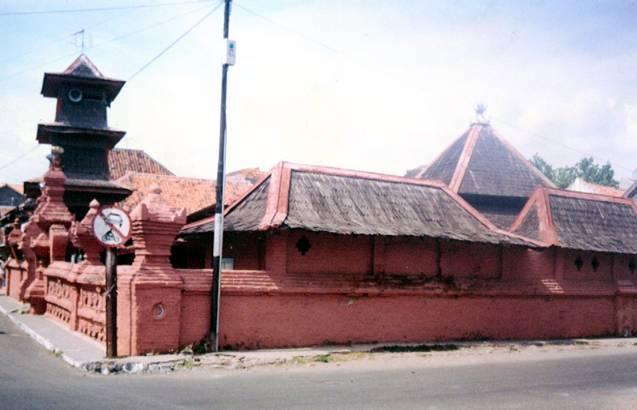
column 47, row 344
column 229, row 359
column 14, row 317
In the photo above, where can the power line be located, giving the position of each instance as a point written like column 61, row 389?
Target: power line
column 19, row 73
column 285, row 28
column 559, row 143
column 116, row 38
column 65, row 38
column 177, row 40
column 149, row 27
column 99, row 9
column 19, row 157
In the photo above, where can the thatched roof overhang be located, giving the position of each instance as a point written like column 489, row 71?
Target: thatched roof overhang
column 347, row 202
column 580, row 221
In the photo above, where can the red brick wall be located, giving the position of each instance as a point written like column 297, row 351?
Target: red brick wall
column 330, row 254
column 405, row 256
column 247, row 250
column 621, row 270
column 305, row 320
column 195, row 318
column 410, row 256
column 469, row 259
column 566, row 266
column 519, row 264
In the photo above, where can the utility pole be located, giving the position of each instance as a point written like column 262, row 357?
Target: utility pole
column 219, row 198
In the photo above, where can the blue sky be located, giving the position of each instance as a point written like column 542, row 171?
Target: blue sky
column 373, row 85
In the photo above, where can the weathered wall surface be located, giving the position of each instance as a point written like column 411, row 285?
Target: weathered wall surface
column 293, row 288
column 258, row 321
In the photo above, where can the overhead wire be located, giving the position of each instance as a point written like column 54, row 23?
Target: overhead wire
column 141, row 69
column 19, row 157
column 166, row 49
column 100, row 9
column 177, row 40
column 285, row 28
column 552, row 141
column 65, row 37
column 116, row 38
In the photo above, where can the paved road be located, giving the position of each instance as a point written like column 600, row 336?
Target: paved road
column 31, row 378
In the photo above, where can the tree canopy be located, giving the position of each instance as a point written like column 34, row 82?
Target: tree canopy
column 585, row 168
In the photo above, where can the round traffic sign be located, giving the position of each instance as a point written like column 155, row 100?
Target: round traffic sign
column 111, row 226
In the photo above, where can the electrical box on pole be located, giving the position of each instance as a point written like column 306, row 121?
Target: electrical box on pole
column 231, row 52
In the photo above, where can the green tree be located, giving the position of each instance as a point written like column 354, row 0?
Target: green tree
column 586, row 168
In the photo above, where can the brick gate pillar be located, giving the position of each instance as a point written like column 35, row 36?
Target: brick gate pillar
column 46, row 235
column 149, row 293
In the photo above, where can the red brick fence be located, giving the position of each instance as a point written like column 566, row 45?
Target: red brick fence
column 509, row 293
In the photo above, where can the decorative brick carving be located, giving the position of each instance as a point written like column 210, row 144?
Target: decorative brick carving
column 46, row 233
column 151, row 281
column 82, row 235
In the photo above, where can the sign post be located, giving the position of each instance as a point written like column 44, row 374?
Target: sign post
column 111, row 302
column 111, row 227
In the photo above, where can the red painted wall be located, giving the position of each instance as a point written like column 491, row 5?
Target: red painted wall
column 566, row 265
column 303, row 320
column 329, row 254
column 247, row 250
column 410, row 256
column 525, row 265
column 621, row 268
column 460, row 259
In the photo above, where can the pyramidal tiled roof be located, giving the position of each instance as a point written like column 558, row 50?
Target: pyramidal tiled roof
column 480, row 162
column 83, row 67
column 81, row 70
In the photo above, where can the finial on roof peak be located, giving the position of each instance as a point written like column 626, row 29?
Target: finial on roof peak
column 480, row 110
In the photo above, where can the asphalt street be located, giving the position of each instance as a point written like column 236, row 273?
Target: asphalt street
column 31, row 378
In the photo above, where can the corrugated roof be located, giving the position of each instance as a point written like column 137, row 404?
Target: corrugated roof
column 349, row 202
column 580, row 221
column 480, row 162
